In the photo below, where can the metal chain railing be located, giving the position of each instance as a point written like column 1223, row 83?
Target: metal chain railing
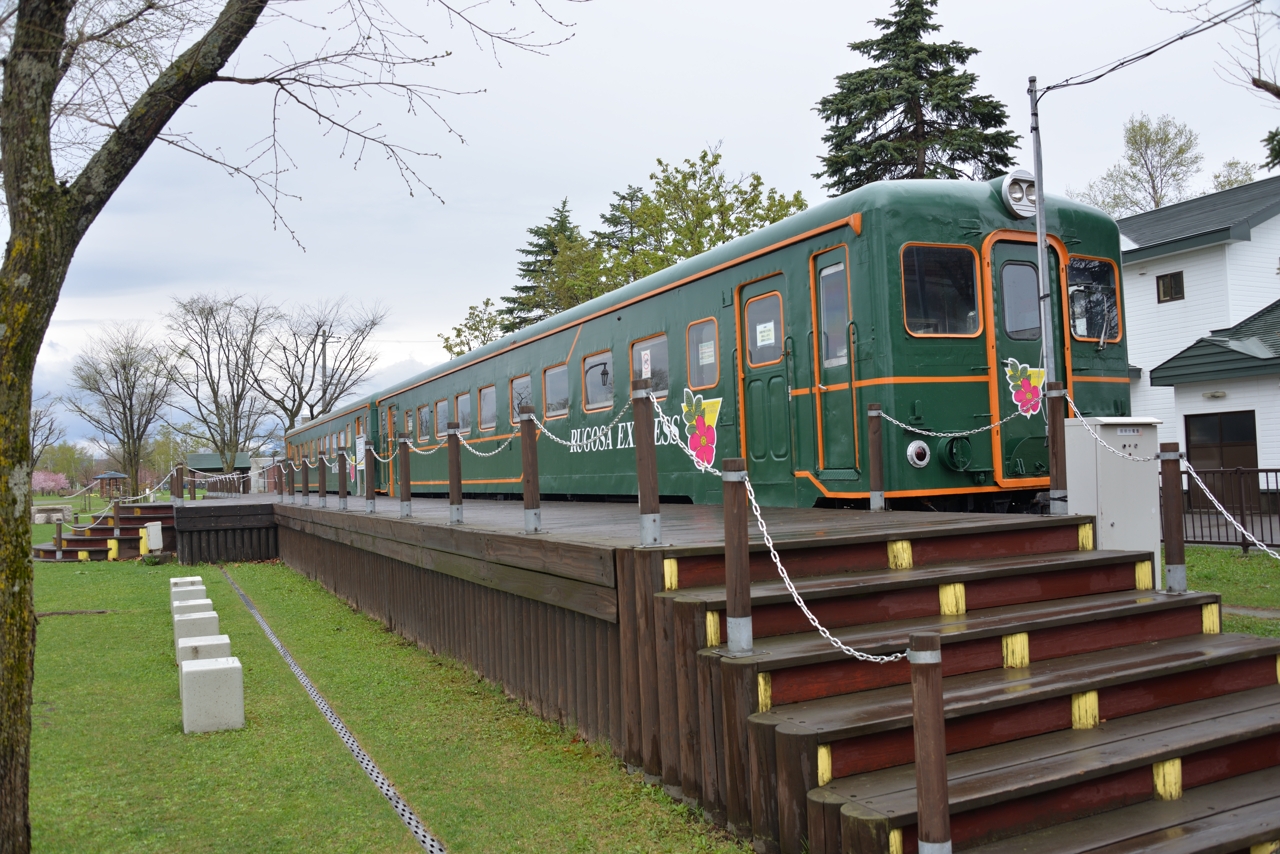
column 953, row 435
column 1085, row 422
column 673, row 430
column 492, row 453
column 413, row 449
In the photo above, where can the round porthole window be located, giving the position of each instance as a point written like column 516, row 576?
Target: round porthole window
column 918, row 454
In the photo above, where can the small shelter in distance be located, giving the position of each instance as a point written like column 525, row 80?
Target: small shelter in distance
column 111, row 484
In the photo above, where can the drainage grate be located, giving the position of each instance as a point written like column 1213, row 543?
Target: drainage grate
column 428, row 842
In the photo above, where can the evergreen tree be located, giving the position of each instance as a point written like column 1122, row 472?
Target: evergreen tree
column 527, row 303
column 914, row 113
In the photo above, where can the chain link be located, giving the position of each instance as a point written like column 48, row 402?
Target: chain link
column 887, row 417
column 672, row 430
column 552, row 436
column 492, row 453
column 1223, row 511
column 1084, row 421
column 416, row 450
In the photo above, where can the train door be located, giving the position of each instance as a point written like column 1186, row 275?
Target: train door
column 766, row 396
column 1021, row 447
column 833, row 364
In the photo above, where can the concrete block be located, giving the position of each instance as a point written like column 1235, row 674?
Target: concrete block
column 192, row 606
column 195, row 625
column 197, row 649
column 178, row 594
column 185, row 581
column 212, row 694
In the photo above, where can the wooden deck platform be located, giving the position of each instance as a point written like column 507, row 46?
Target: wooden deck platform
column 1053, row 653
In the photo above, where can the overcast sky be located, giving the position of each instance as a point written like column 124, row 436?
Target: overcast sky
column 637, row 81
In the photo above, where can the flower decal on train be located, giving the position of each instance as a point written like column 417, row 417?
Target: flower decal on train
column 700, row 418
column 1025, row 382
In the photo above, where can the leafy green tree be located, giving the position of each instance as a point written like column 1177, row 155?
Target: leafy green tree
column 913, row 114
column 481, row 326
column 527, row 302
column 1234, row 173
column 66, row 458
column 1161, row 156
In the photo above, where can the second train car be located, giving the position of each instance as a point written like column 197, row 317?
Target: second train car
column 918, row 295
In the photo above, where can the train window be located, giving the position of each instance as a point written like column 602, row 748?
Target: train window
column 359, row 426
column 488, row 408
column 1091, row 290
column 442, row 418
column 649, row 362
column 939, row 290
column 555, row 390
column 1019, row 298
column 764, row 329
column 703, row 353
column 521, row 395
column 834, row 294
column 424, row 423
column 463, row 404
column 597, row 380
column 408, row 422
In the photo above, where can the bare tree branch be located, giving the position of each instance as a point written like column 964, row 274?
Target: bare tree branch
column 45, row 429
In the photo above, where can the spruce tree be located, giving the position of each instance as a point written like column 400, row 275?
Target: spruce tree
column 913, row 114
column 528, row 302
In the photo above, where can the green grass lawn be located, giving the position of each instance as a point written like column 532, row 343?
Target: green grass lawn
column 1252, row 581
column 112, row 771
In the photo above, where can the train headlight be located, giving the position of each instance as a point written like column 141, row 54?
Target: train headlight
column 1018, row 191
column 918, row 454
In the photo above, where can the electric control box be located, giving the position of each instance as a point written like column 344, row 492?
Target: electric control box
column 1122, row 494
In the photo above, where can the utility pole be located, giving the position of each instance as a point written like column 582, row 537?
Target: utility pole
column 1042, row 251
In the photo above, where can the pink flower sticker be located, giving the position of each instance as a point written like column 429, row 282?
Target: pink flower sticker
column 1025, row 382
column 702, row 441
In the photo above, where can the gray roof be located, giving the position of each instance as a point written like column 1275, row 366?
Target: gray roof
column 1213, row 218
column 1250, row 348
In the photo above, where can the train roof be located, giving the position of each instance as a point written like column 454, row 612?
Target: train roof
column 977, row 199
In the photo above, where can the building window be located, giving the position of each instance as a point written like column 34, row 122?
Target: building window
column 649, row 362
column 521, row 395
column 597, row 380
column 703, row 354
column 1169, row 287
column 1222, row 440
column 555, row 391
column 488, row 407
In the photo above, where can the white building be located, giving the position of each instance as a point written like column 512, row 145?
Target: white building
column 1202, row 312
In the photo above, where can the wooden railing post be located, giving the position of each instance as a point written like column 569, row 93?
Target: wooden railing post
column 57, row 540
column 342, row 480
column 306, row 482
column 529, row 462
column 290, row 483
column 737, row 558
column 406, row 488
column 1056, row 401
column 279, row 478
column 646, row 463
column 176, row 485
column 191, row 487
column 322, row 480
column 455, row 474
column 875, row 454
column 1175, row 560
column 370, row 496
column 933, row 812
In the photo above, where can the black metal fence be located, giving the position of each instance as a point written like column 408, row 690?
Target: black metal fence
column 1252, row 496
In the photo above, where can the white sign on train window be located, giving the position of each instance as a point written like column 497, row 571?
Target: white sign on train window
column 646, row 365
column 707, row 353
column 360, row 452
column 764, row 334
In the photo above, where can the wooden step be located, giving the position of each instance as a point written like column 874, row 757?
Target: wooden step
column 822, row 740
column 1222, row 818
column 46, row 553
column 896, row 543
column 997, row 792
column 858, row 598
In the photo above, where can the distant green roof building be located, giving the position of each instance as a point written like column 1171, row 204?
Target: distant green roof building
column 1251, row 348
column 212, row 463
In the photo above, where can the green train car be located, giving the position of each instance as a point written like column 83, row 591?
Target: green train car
column 917, row 295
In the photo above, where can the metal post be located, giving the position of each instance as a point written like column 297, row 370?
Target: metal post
column 1175, row 560
column 306, row 482
column 1056, row 401
column 646, row 463
column 342, row 480
column 1042, row 250
column 875, row 452
column 370, row 497
column 737, row 558
column 175, row 495
column 455, row 474
column 933, row 815
column 406, row 491
column 529, row 461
